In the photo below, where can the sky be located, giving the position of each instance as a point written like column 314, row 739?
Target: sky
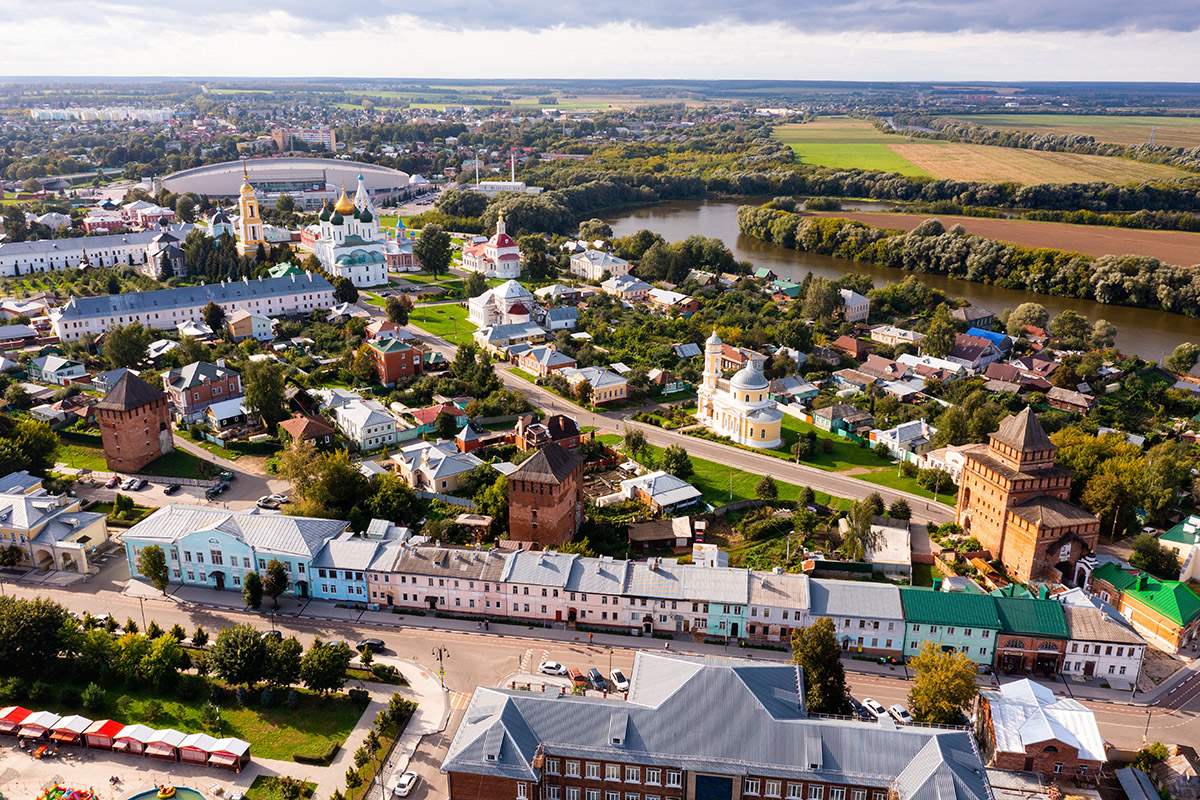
column 882, row 40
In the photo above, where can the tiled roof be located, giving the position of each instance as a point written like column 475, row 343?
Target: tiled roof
column 1051, row 512
column 552, row 464
column 1023, row 432
column 1093, row 625
column 301, row 428
column 927, row 607
column 1172, row 599
column 130, row 392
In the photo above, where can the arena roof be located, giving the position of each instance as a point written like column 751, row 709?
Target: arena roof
column 282, row 174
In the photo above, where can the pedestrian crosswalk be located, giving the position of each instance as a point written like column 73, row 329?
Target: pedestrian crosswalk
column 459, row 700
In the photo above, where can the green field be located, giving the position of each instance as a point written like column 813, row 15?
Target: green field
column 178, row 463
column 843, row 143
column 1168, row 131
column 448, row 321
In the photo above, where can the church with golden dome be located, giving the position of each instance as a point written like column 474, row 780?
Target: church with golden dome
column 250, row 225
column 741, row 407
column 350, row 243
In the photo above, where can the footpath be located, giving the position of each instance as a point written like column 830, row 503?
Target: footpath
column 329, row 611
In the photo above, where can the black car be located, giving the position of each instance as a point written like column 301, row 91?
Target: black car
column 374, row 645
column 597, row 680
column 214, row 491
column 172, row 489
column 859, row 711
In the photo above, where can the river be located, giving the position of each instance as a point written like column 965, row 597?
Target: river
column 1149, row 334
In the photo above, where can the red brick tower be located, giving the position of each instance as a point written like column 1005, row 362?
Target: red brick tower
column 135, row 424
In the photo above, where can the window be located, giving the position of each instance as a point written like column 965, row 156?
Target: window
column 633, row 775
column 552, row 766
column 674, row 778
column 522, row 791
column 772, row 789
column 572, row 793
column 837, row 793
column 1058, row 767
column 552, row 793
column 632, row 796
column 858, row 794
column 592, row 794
column 653, row 776
column 573, row 769
column 1112, row 668
column 949, row 631
column 593, row 770
column 1122, row 670
column 795, row 790
column 815, row 792
column 612, row 772
column 750, row 786
column 612, row 796
column 1074, row 647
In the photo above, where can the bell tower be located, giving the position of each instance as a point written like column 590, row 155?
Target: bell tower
column 250, row 225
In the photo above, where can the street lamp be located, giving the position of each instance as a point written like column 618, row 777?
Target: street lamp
column 142, row 605
column 441, row 653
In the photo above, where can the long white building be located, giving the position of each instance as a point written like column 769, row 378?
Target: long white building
column 166, row 308
column 47, row 255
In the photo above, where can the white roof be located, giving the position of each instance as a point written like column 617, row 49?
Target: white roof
column 230, row 745
column 1025, row 713
column 201, row 741
column 664, row 488
column 168, row 736
column 139, row 733
column 44, row 719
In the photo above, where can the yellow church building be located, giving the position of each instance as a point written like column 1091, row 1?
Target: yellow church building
column 250, row 224
column 740, row 407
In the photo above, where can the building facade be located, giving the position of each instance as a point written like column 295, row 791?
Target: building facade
column 135, row 424
column 192, row 389
column 545, row 497
column 740, row 408
column 350, row 244
column 249, row 226
column 498, row 257
column 393, row 360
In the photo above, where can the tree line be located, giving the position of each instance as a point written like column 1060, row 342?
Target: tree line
column 1129, row 280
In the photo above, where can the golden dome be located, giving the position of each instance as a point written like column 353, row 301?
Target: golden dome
column 344, row 204
column 247, row 189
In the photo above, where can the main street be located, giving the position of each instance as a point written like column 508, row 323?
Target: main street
column 924, row 509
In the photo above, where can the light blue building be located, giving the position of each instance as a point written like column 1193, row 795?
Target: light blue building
column 665, row 596
column 216, row 547
column 340, row 569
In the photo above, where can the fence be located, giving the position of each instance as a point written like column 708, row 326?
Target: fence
column 461, row 502
column 164, row 479
column 721, row 511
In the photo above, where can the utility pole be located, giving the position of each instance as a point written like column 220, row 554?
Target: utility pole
column 441, row 653
column 142, row 605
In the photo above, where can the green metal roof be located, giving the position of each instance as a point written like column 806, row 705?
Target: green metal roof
column 389, row 345
column 925, row 606
column 1031, row 617
column 1012, row 590
column 1184, row 532
column 1172, row 599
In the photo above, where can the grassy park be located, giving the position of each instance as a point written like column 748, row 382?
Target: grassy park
column 448, row 321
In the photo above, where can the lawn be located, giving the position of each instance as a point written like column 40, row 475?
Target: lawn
column 448, row 321
column 81, row 456
column 178, row 463
column 889, row 478
column 714, row 480
column 846, row 143
column 374, row 300
column 422, row 277
column 260, row 791
column 845, row 454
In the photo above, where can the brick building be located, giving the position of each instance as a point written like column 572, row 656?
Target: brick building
column 1024, row 726
column 135, row 424
column 1015, row 501
column 545, row 497
column 394, row 359
column 1165, row 612
column 534, row 434
column 192, row 389
column 1033, row 635
column 701, row 729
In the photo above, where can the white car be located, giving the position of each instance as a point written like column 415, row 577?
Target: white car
column 551, row 668
column 620, row 682
column 875, row 707
column 279, row 498
column 129, row 484
column 405, row 785
column 900, row 714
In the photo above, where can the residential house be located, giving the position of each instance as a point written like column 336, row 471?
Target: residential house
column 192, row 389
column 792, row 389
column 1024, row 726
column 245, row 324
column 302, row 428
column 662, row 534
column 105, row 381
column 884, row 369
column 947, row 459
column 426, row 418
column 557, row 294
column 339, row 569
column 607, row 386
column 686, row 350
column 854, row 307
column 668, row 302
column 968, row 623
column 543, row 360
column 494, row 338
column 973, row 353
column 14, row 337
column 854, row 379
column 664, row 595
column 534, row 434
column 974, row 316
column 228, row 414
column 662, row 492
column 842, row 418
column 1033, row 635
column 764, row 274
column 1165, row 613
column 195, row 328
column 563, row 318
column 57, row 371
column 394, row 359
column 593, row 265
column 929, row 367
column 366, row 424
column 627, row 288
column 855, row 348
column 435, row 466
column 908, row 440
column 453, row 580
column 891, row 336
column 1102, row 644
column 778, row 603
column 216, row 547
column 735, row 359
column 666, row 381
column 1184, row 539
column 1003, row 341
column 866, row 616
column 1069, row 400
column 386, row 329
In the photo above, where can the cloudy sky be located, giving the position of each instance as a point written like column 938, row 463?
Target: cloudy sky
column 998, row 40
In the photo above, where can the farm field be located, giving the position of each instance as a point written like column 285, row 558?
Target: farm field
column 1172, row 247
column 845, row 143
column 1169, row 131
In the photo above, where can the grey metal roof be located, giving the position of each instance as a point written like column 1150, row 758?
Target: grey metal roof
column 196, row 373
column 545, row 568
column 188, row 296
column 671, row 581
column 597, row 575
column 833, row 598
column 687, row 350
column 44, row 247
column 481, row 565
column 21, row 482
column 779, row 590
column 267, row 533
column 355, row 554
column 734, row 717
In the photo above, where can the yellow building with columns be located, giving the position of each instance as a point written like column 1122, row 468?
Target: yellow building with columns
column 740, row 407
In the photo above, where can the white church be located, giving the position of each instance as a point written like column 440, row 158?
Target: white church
column 350, row 244
column 498, row 257
column 741, row 407
column 510, row 303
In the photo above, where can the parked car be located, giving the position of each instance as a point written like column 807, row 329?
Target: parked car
column 859, row 711
column 172, row 489
column 113, row 482
column 215, row 491
column 139, row 484
column 227, row 475
column 597, row 680
column 273, row 635
column 551, row 668
column 900, row 714
column 280, row 498
column 129, row 484
column 266, row 502
column 875, row 708
column 619, row 681
column 374, row 645
column 405, row 784
column 577, row 677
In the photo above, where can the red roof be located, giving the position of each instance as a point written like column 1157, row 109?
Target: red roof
column 425, row 416
column 14, row 714
column 475, row 250
column 501, row 240
column 509, row 257
column 518, row 309
column 104, row 727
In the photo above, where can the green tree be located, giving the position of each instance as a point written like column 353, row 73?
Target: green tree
column 939, row 337
column 446, row 425
column 252, row 590
column 285, row 203
column 185, row 208
column 393, row 499
column 476, row 285
column 944, row 685
column 276, row 580
column 1147, row 757
column 1167, row 472
column 239, row 655
column 160, row 665
column 583, row 392
column 323, row 668
column 634, row 443
column 432, row 249
column 344, row 290
column 533, row 247
column 821, row 300
column 1183, row 358
column 766, row 489
column 861, row 538
column 199, row 637
column 1071, row 328
column 899, row 509
column 815, row 649
column 1104, row 334
column 125, row 345
column 399, row 307
column 16, row 398
column 1032, row 314
column 152, row 564
column 676, row 461
column 1151, row 556
column 263, row 383
column 213, row 316
column 283, row 661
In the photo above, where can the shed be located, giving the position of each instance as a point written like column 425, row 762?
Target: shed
column 230, row 754
column 38, row 724
column 196, row 748
column 165, row 744
column 11, row 718
column 132, row 739
column 101, row 732
column 69, row 730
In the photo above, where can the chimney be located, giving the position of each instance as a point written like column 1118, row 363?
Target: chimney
column 1141, row 581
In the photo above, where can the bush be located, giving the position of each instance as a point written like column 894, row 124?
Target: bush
column 386, row 673
column 40, row 692
column 189, row 687
column 93, row 697
column 360, row 697
column 153, row 631
column 13, row 689
column 243, row 697
column 152, row 710
column 199, row 637
column 178, row 632
column 130, row 625
column 826, row 446
column 322, row 759
column 266, row 699
column 69, row 696
column 292, row 698
column 908, row 469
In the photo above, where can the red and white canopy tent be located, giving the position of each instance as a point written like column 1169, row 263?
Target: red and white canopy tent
column 230, row 753
column 195, row 748
column 11, row 718
column 164, row 744
column 132, row 739
column 101, row 732
column 69, row 730
column 38, row 724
